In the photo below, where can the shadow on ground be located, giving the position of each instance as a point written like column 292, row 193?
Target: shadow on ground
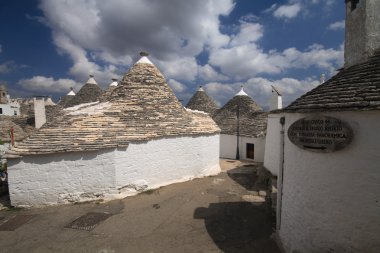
column 243, row 226
column 238, row 226
column 251, row 177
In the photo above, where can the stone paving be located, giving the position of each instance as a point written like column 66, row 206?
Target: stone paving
column 225, row 213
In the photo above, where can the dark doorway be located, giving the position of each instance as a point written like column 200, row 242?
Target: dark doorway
column 250, row 150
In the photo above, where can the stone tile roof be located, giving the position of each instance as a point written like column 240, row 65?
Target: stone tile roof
column 22, row 127
column 90, row 92
column 141, row 108
column 353, row 88
column 252, row 120
column 200, row 101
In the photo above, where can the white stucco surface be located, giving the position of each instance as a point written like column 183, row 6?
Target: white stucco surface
column 111, row 173
column 275, row 101
column 331, row 201
column 39, row 112
column 10, row 109
column 273, row 144
column 228, row 147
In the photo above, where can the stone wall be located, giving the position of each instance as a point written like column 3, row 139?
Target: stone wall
column 113, row 173
column 362, row 31
column 331, row 201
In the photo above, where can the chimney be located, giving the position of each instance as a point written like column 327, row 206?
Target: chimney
column 39, row 111
column 362, row 30
column 275, row 100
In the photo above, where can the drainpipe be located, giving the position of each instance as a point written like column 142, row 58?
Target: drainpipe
column 280, row 174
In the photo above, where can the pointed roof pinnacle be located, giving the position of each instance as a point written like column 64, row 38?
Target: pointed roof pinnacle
column 200, row 88
column 114, row 82
column 91, row 80
column 241, row 92
column 71, row 93
column 144, row 58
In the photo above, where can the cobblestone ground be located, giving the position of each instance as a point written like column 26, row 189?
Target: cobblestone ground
column 225, row 213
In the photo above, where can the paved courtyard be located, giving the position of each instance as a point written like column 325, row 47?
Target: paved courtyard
column 223, row 213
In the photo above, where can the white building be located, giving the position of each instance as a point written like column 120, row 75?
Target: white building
column 140, row 137
column 325, row 150
column 7, row 106
column 243, row 127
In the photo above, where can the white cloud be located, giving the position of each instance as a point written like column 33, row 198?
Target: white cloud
column 337, row 25
column 176, row 86
column 208, row 73
column 260, row 89
column 287, row 11
column 249, row 33
column 48, row 84
column 243, row 58
column 181, row 68
column 249, row 18
column 174, row 32
column 104, row 37
column 270, row 9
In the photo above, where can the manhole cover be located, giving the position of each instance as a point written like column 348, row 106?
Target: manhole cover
column 88, row 221
column 15, row 222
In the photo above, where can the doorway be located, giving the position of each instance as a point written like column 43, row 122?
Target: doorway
column 250, row 150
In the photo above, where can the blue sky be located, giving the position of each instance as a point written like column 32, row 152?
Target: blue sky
column 48, row 46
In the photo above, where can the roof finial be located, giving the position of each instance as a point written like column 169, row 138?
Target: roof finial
column 114, row 79
column 241, row 92
column 71, row 92
column 322, row 78
column 200, row 88
column 91, row 75
column 144, row 58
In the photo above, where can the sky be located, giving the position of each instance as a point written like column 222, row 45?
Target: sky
column 47, row 46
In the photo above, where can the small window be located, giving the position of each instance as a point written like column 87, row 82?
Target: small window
column 15, row 113
column 1, row 110
column 250, row 150
column 354, row 3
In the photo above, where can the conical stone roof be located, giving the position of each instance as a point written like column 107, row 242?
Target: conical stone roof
column 90, row 92
column 64, row 100
column 200, row 101
column 251, row 118
column 141, row 108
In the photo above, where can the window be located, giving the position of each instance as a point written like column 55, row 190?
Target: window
column 15, row 113
column 250, row 150
column 1, row 110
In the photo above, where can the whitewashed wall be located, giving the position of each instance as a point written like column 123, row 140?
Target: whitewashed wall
column 331, row 201
column 228, row 147
column 165, row 161
column 273, row 144
column 10, row 110
column 113, row 173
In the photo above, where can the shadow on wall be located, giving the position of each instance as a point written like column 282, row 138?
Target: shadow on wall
column 239, row 226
